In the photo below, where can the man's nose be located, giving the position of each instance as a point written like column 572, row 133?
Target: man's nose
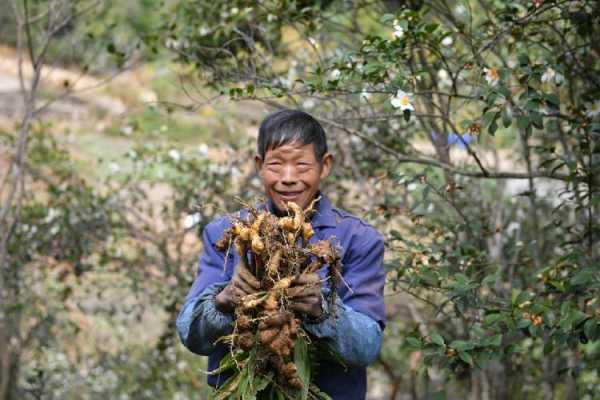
column 288, row 176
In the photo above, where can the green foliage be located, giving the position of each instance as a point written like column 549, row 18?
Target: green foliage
column 499, row 277
column 494, row 286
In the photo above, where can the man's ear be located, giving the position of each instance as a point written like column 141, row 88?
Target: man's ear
column 258, row 163
column 326, row 165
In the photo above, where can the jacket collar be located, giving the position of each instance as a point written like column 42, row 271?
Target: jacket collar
column 323, row 216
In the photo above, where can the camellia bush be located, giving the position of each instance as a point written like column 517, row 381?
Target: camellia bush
column 469, row 132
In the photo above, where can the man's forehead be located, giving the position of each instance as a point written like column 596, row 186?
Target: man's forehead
column 291, row 149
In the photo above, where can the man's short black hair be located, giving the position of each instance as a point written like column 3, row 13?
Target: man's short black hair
column 287, row 126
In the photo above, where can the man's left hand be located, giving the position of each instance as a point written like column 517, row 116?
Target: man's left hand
column 305, row 295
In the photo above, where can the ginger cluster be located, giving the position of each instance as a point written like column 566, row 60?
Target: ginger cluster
column 276, row 250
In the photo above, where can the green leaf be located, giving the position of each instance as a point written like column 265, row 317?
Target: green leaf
column 590, row 328
column 396, row 235
column 414, row 342
column 523, row 121
column 584, row 276
column 488, row 118
column 228, row 388
column 385, row 18
column 462, row 345
column 552, row 99
column 466, row 357
column 536, row 119
column 302, row 361
column 490, row 319
column 506, row 118
column 429, row 277
column 437, row 339
column 431, row 27
column 493, row 128
column 495, row 341
column 524, row 323
column 523, row 59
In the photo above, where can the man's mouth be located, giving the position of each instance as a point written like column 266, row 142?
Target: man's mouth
column 288, row 196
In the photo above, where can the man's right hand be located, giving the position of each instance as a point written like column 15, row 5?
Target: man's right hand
column 243, row 283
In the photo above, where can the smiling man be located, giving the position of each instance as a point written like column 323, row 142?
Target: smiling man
column 292, row 160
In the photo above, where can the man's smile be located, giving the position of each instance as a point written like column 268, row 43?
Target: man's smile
column 290, row 195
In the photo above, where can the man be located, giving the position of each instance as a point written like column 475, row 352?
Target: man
column 292, row 160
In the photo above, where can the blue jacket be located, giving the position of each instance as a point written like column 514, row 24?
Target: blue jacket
column 355, row 332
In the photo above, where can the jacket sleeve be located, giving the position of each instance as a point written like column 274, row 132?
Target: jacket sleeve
column 353, row 336
column 199, row 323
column 355, row 333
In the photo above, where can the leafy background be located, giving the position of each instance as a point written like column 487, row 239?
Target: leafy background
column 467, row 132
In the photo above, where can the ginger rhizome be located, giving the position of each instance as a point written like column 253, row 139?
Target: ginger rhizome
column 277, row 251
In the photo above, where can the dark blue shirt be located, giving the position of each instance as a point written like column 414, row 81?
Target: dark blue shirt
column 354, row 334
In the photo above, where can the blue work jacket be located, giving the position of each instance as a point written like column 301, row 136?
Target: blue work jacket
column 354, row 334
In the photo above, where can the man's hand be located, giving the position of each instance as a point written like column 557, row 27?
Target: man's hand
column 243, row 283
column 305, row 295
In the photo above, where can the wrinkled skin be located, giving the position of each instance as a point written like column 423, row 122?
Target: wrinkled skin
column 305, row 295
column 243, row 283
column 292, row 172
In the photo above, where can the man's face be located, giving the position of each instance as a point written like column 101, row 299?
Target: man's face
column 291, row 172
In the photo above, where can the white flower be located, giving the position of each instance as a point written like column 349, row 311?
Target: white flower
column 491, row 76
column 447, row 41
column 371, row 130
column 203, row 149
column 460, row 9
column 148, row 96
column 398, row 30
column 234, row 10
column 113, row 167
column 175, row 155
column 593, row 109
column 444, row 78
column 191, row 220
column 203, row 30
column 548, row 75
column 575, row 5
column 52, row 213
column 551, row 75
column 271, row 17
column 235, row 173
column 402, row 100
column 365, row 96
column 127, row 130
column 308, row 103
column 335, row 74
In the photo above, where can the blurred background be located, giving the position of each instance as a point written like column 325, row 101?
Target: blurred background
column 467, row 132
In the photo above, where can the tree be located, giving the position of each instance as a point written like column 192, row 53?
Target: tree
column 423, row 101
column 38, row 26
